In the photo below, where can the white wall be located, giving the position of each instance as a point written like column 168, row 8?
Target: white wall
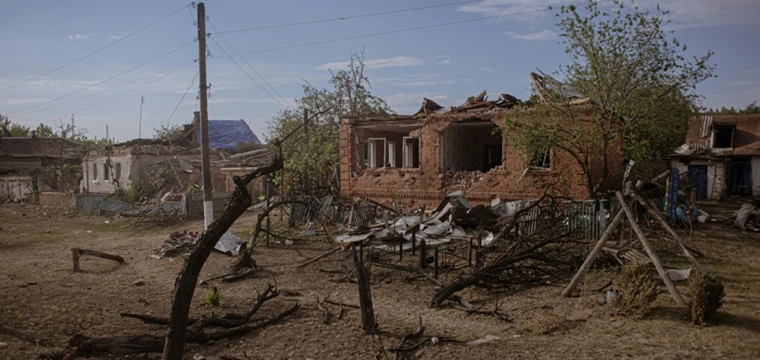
column 716, row 175
column 755, row 164
column 101, row 186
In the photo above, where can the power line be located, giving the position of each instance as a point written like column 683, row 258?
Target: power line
column 106, row 90
column 249, row 65
column 135, row 88
column 102, row 81
column 350, row 17
column 395, row 31
column 247, row 74
column 96, row 51
column 237, row 103
column 183, row 97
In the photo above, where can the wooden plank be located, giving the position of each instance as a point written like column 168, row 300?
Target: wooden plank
column 652, row 255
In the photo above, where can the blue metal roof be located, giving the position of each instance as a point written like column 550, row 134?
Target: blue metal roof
column 225, row 134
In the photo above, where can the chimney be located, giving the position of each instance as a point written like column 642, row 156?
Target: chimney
column 196, row 118
column 34, row 134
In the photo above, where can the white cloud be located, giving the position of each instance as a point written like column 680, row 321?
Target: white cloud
column 684, row 13
column 446, row 62
column 82, row 36
column 755, row 82
column 441, row 57
column 400, row 61
column 12, row 101
column 115, row 37
column 536, row 36
column 423, row 80
column 487, row 69
column 409, row 103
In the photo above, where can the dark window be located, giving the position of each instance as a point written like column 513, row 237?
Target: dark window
column 117, row 171
column 541, row 158
column 724, row 137
column 94, row 172
column 411, row 152
column 106, row 176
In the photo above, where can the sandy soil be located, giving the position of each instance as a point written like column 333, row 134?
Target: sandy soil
column 41, row 295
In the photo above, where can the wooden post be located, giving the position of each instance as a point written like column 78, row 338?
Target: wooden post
column 365, row 296
column 592, row 256
column 414, row 241
column 469, row 253
column 655, row 260
column 423, row 255
column 400, row 248
column 75, row 256
column 670, row 230
column 435, row 262
column 268, row 195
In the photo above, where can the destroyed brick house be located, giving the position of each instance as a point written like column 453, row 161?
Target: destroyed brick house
column 436, row 151
column 721, row 156
column 33, row 164
column 149, row 163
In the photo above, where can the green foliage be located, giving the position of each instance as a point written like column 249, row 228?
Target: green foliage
column 45, row 131
column 751, row 109
column 641, row 85
column 213, row 297
column 10, row 129
column 168, row 132
column 707, row 295
column 311, row 159
column 242, row 147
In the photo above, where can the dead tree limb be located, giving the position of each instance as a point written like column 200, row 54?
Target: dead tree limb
column 187, row 280
column 23, row 336
column 319, row 257
column 76, row 253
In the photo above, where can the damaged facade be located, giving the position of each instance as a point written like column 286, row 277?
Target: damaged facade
column 137, row 163
column 32, row 164
column 721, row 155
column 436, row 151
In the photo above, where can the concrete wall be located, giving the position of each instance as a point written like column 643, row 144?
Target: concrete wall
column 427, row 184
column 15, row 187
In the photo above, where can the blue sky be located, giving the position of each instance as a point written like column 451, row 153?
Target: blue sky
column 447, row 64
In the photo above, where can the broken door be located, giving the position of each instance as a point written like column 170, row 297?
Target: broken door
column 698, row 179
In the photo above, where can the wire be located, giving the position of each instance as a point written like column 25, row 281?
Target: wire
column 105, row 91
column 238, row 104
column 247, row 74
column 391, row 32
column 96, row 51
column 102, row 81
column 135, row 88
column 183, row 97
column 249, row 65
column 350, row 17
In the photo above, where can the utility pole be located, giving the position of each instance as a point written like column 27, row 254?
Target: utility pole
column 139, row 125
column 208, row 200
column 107, row 134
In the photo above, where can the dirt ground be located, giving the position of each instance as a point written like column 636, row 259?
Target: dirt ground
column 42, row 296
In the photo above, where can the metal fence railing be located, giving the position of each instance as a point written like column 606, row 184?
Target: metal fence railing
column 585, row 219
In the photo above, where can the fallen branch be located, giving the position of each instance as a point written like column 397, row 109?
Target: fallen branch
column 23, row 336
column 341, row 304
column 319, row 257
column 76, row 253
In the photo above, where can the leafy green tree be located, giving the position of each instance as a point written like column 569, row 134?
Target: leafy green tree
column 45, row 131
column 640, row 85
column 10, row 129
column 312, row 155
column 750, row 109
column 168, row 132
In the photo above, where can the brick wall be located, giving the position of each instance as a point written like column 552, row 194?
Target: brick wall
column 444, row 143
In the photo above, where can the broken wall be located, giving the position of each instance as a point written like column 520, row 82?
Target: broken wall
column 427, row 184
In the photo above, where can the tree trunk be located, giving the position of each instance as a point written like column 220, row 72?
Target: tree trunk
column 188, row 277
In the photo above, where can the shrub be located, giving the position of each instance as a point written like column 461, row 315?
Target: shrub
column 637, row 291
column 707, row 295
column 213, row 297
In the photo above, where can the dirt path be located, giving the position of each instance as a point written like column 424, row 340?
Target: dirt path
column 40, row 295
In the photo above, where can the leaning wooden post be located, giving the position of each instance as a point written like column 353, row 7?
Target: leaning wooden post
column 435, row 262
column 670, row 230
column 75, row 257
column 423, row 255
column 592, row 256
column 365, row 295
column 655, row 260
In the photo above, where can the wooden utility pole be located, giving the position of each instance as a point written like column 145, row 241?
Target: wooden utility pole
column 208, row 200
column 139, row 123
